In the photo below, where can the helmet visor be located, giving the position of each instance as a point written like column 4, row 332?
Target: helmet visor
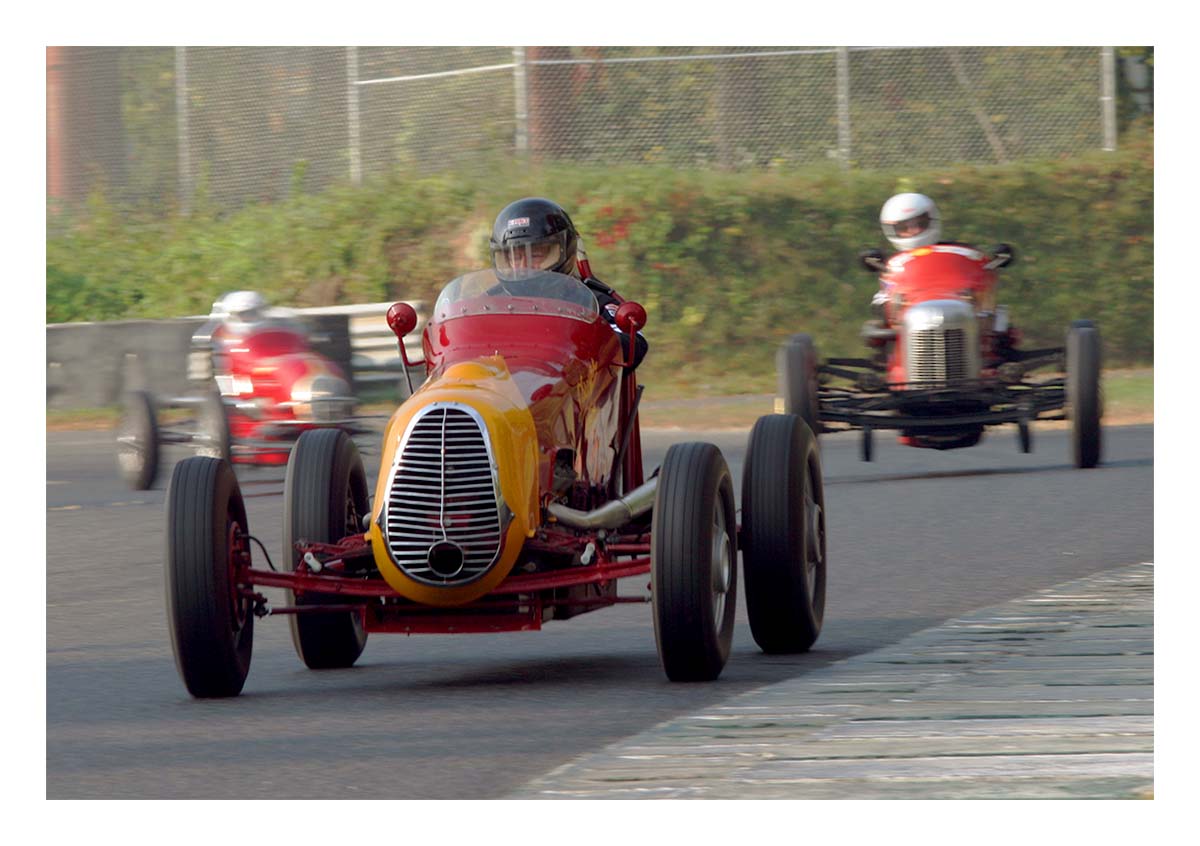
column 908, row 228
column 530, row 256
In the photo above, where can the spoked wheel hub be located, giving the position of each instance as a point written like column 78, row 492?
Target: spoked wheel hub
column 238, row 544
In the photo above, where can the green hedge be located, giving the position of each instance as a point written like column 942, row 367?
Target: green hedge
column 726, row 264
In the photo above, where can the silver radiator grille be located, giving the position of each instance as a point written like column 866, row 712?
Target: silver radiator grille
column 941, row 342
column 937, row 355
column 443, row 522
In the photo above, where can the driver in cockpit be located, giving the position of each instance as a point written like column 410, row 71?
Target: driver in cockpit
column 535, row 234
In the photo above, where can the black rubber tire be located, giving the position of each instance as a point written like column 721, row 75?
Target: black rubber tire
column 783, row 535
column 694, row 596
column 796, row 379
column 1084, row 401
column 324, row 499
column 212, row 633
column 867, row 444
column 214, row 427
column 137, row 441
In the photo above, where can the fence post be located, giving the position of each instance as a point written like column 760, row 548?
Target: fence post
column 521, row 140
column 352, row 115
column 843, row 105
column 1108, row 99
column 183, row 145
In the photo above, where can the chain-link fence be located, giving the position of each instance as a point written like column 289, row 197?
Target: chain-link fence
column 165, row 127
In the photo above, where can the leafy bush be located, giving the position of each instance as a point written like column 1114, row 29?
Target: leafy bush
column 726, row 264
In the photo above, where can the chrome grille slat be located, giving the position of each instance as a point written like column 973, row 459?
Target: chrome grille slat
column 443, row 488
column 941, row 342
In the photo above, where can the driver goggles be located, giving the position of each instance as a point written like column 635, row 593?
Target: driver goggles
column 538, row 255
column 909, row 228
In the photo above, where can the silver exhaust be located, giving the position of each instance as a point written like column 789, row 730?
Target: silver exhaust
column 611, row 515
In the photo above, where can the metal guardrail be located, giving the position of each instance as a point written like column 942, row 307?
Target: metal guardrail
column 375, row 355
column 92, row 364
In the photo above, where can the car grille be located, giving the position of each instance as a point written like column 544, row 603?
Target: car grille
column 940, row 342
column 937, row 356
column 443, row 518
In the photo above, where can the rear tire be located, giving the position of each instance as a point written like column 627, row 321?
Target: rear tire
column 796, row 377
column 211, row 624
column 693, row 562
column 324, row 500
column 214, row 428
column 137, row 441
column 1083, row 393
column 783, row 535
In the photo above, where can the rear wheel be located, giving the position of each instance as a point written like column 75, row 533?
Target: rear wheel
column 694, row 562
column 1085, row 403
column 324, row 500
column 783, row 535
column 214, row 437
column 137, row 441
column 796, row 377
column 211, row 623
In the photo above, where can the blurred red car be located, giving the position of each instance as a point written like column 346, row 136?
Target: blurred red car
column 258, row 385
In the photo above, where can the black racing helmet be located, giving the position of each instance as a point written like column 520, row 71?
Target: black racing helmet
column 531, row 235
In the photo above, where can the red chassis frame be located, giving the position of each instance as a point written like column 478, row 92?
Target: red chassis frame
column 516, row 604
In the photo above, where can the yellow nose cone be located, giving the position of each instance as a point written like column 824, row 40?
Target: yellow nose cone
column 468, row 371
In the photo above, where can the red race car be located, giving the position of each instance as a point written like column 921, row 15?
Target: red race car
column 258, row 385
column 510, row 493
column 946, row 363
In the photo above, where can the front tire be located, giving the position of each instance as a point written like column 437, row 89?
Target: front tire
column 137, row 441
column 783, row 535
column 324, row 501
column 1083, row 393
column 693, row 562
column 796, row 378
column 211, row 623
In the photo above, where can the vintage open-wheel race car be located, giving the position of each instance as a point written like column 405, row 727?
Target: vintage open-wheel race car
column 510, row 492
column 252, row 394
column 945, row 364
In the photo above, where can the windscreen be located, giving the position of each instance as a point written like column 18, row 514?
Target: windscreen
column 485, row 292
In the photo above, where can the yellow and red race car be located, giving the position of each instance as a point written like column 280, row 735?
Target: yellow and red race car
column 510, row 493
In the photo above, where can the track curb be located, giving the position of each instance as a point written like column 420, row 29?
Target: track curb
column 1046, row 696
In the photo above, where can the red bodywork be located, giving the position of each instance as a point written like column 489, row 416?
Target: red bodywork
column 273, row 361
column 940, row 272
column 571, row 373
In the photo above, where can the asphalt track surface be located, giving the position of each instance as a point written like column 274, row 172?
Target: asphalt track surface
column 915, row 537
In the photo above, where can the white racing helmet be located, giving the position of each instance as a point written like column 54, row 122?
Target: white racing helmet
column 242, row 306
column 910, row 221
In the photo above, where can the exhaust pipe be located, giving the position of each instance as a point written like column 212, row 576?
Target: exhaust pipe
column 611, row 515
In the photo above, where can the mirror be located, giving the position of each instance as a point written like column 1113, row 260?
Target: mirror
column 1002, row 256
column 630, row 317
column 873, row 260
column 401, row 319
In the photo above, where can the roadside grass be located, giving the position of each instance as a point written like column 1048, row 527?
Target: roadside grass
column 1128, row 399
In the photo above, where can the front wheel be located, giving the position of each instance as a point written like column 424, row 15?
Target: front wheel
column 324, row 501
column 693, row 562
column 211, row 622
column 137, row 441
column 1083, row 393
column 796, row 379
column 783, row 535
